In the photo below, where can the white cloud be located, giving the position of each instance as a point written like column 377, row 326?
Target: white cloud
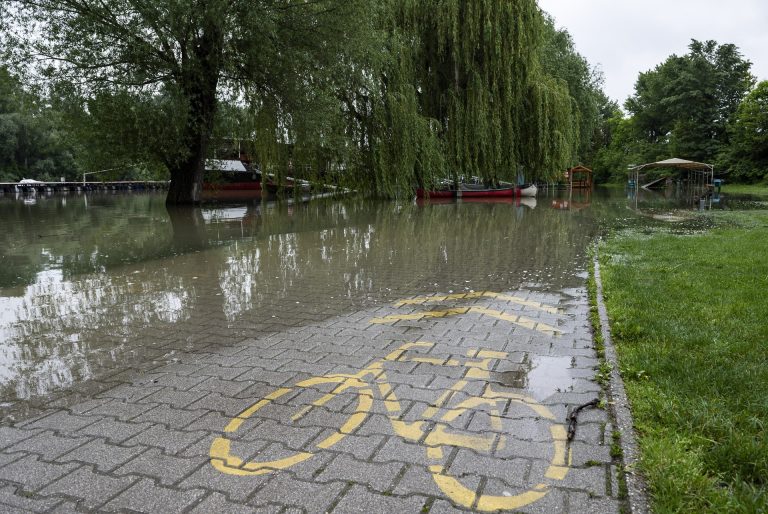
column 628, row 37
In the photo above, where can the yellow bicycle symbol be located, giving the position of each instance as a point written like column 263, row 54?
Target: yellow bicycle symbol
column 436, row 438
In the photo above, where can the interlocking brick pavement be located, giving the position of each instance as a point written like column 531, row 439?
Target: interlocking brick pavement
column 145, row 440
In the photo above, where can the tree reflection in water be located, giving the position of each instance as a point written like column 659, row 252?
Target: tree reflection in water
column 105, row 281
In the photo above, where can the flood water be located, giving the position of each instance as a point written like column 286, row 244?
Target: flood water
column 92, row 286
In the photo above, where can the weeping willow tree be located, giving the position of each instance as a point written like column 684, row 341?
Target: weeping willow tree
column 465, row 95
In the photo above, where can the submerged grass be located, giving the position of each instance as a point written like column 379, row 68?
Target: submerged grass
column 689, row 316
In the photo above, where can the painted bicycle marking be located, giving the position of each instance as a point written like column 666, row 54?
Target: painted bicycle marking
column 433, row 430
column 433, row 427
column 512, row 318
column 479, row 294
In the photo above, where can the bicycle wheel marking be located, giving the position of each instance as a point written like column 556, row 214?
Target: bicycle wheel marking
column 466, row 497
column 220, row 452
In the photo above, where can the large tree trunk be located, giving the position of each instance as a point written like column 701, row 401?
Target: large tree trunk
column 199, row 80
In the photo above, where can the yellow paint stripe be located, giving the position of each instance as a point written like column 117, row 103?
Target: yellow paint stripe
column 517, row 320
column 435, row 453
column 419, row 315
column 511, row 318
column 222, row 460
column 487, row 503
column 454, row 489
column 439, row 437
column 487, row 294
column 409, row 431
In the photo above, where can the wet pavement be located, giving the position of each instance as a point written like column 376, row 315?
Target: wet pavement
column 338, row 356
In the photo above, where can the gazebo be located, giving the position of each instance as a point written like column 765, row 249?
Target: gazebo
column 579, row 177
column 699, row 173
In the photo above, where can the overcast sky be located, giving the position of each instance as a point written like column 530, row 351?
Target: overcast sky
column 626, row 37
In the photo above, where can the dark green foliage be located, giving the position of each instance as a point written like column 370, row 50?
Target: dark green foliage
column 283, row 58
column 683, row 107
column 379, row 96
column 32, row 143
column 748, row 153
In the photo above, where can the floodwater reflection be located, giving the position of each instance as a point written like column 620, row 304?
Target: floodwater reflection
column 91, row 285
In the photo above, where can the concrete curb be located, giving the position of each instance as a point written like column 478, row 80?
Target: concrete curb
column 620, row 410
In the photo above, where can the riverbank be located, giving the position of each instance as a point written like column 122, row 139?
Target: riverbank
column 688, row 317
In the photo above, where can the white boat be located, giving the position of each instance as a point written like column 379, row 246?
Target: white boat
column 528, row 190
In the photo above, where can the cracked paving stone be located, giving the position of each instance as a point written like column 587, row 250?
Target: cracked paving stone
column 377, row 476
column 171, row 441
column 11, row 435
column 286, row 490
column 92, row 489
column 33, row 473
column 17, row 500
column 145, row 496
column 114, row 431
column 165, row 469
column 360, row 500
column 64, row 422
column 105, row 456
column 167, row 415
column 512, row 471
column 49, row 445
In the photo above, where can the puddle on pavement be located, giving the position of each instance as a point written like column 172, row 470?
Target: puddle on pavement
column 539, row 376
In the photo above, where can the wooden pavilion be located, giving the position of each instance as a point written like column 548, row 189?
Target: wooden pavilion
column 579, row 177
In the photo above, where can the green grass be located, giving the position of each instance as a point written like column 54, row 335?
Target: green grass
column 746, row 189
column 689, row 315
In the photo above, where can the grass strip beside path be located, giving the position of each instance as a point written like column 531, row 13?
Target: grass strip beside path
column 689, row 315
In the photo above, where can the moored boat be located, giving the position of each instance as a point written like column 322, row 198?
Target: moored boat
column 230, row 175
column 528, row 190
column 473, row 192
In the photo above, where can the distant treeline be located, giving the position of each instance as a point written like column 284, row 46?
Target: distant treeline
column 383, row 96
column 702, row 106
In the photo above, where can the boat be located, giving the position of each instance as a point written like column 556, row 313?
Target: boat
column 467, row 191
column 472, row 191
column 528, row 190
column 230, row 175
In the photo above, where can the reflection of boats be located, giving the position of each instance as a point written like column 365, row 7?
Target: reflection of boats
column 509, row 200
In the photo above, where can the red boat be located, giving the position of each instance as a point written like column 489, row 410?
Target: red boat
column 507, row 192
column 469, row 191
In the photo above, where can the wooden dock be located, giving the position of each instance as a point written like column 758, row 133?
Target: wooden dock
column 123, row 185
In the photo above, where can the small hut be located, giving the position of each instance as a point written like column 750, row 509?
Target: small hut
column 579, row 177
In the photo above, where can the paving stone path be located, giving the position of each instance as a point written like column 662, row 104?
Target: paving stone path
column 436, row 403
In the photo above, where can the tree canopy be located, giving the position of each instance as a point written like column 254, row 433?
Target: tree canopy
column 691, row 106
column 685, row 104
column 384, row 95
column 748, row 131
column 193, row 53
